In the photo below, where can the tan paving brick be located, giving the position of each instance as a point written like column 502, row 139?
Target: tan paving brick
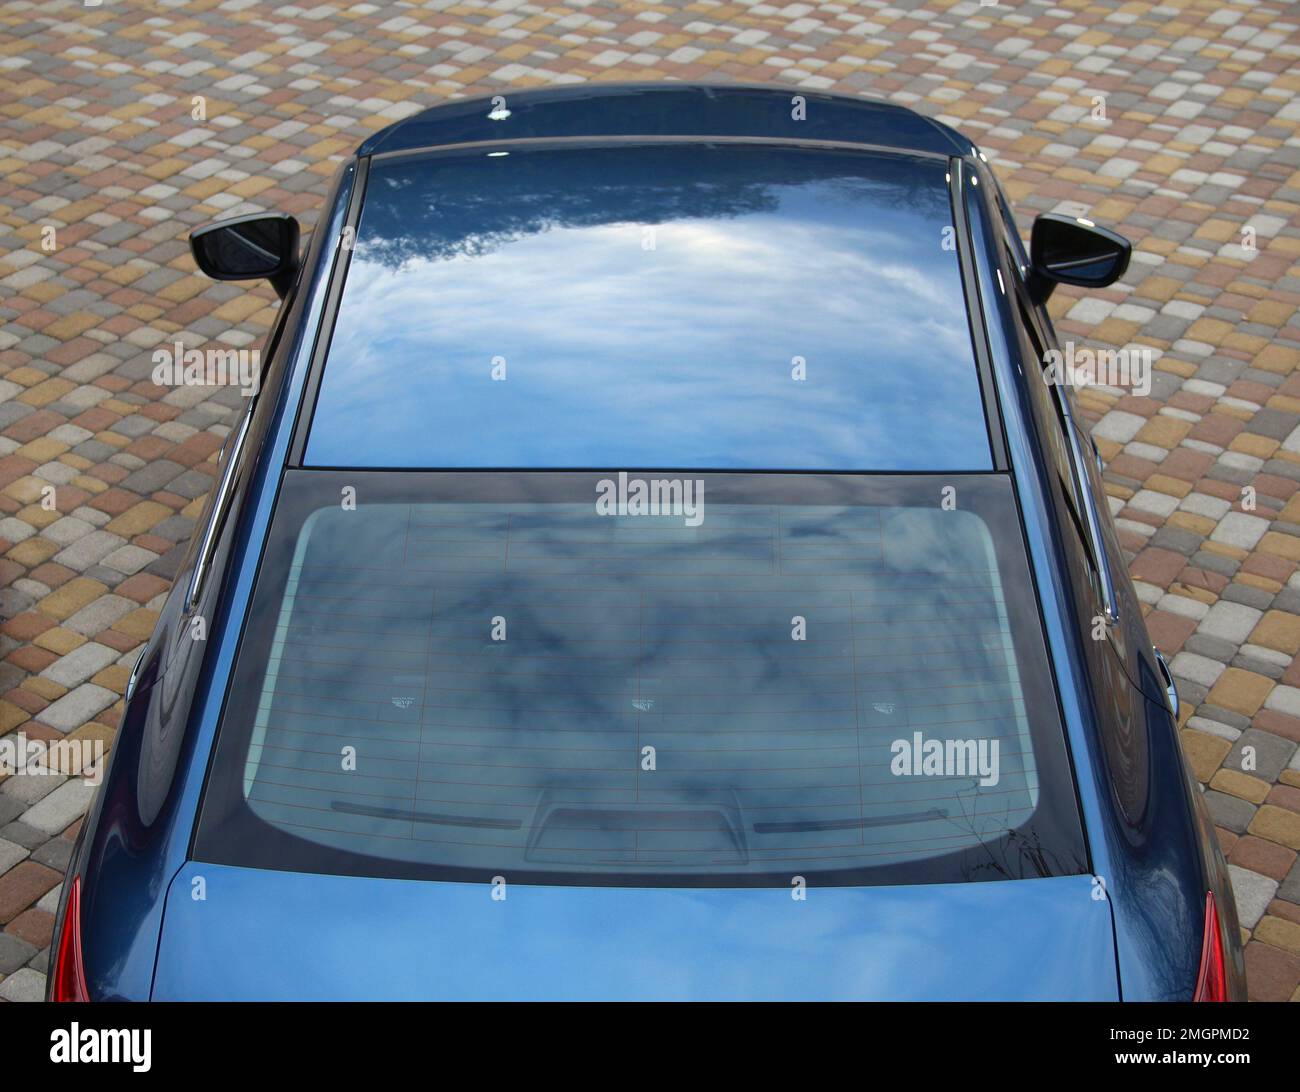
column 1241, row 691
column 1280, row 933
column 1278, row 630
column 1204, row 752
column 1277, row 825
column 67, row 600
column 58, row 640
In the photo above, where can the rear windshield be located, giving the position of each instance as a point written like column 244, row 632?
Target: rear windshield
column 603, row 678
column 733, row 307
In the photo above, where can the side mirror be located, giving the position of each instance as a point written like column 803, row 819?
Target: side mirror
column 1070, row 250
column 244, row 248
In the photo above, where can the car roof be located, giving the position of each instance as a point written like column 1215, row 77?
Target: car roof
column 663, row 298
column 668, row 109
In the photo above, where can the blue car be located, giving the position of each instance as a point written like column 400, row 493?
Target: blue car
column 661, row 560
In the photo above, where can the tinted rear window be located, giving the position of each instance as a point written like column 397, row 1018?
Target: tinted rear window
column 474, row 675
column 728, row 307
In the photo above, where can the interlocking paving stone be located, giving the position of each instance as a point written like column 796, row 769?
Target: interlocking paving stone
column 14, row 953
column 23, row 985
column 11, row 853
column 1198, row 144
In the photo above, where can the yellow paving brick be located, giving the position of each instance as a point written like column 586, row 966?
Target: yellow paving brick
column 113, row 439
column 1164, row 431
column 1277, row 825
column 239, row 308
column 1291, row 512
column 1209, row 330
column 1176, row 367
column 42, row 449
column 1278, row 630
column 1277, row 358
column 33, row 551
column 26, row 376
column 11, row 716
column 1204, row 752
column 138, row 624
column 116, row 405
column 114, row 677
column 58, row 640
column 1190, row 521
column 65, row 601
column 1236, row 783
column 1262, row 447
column 70, row 326
column 91, row 485
column 1279, row 932
column 38, row 516
column 1220, row 231
column 1240, row 691
column 26, row 490
column 137, row 519
column 1174, row 487
column 1270, row 312
column 1257, row 581
column 1282, row 545
column 46, row 688
column 95, row 730
column 1225, row 550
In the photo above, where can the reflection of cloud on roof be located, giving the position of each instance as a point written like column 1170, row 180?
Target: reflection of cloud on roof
column 676, row 355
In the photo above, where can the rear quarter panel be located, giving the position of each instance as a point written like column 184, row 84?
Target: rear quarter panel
column 137, row 833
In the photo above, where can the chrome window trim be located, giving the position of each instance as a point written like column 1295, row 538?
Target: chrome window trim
column 1092, row 517
column 220, row 508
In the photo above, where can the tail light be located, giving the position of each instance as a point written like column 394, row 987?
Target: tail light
column 1212, row 982
column 68, row 973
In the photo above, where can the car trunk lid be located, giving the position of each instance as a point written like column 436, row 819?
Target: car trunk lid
column 242, row 934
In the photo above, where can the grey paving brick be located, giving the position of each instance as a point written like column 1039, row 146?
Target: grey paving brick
column 11, row 853
column 152, row 477
column 99, row 615
column 76, row 707
column 55, row 854
column 1253, row 893
column 1270, row 757
column 14, row 953
column 10, row 808
column 80, row 664
column 23, row 985
column 23, row 835
column 1230, row 812
column 59, row 810
column 88, row 549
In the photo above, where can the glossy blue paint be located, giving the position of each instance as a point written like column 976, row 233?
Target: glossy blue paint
column 282, row 936
column 1155, row 867
column 668, row 109
column 126, row 865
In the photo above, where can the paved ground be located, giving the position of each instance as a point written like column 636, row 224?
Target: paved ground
column 1197, row 161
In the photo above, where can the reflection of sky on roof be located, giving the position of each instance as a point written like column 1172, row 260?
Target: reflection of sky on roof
column 677, row 356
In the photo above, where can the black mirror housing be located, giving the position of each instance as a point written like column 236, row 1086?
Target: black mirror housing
column 1072, row 250
column 264, row 244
